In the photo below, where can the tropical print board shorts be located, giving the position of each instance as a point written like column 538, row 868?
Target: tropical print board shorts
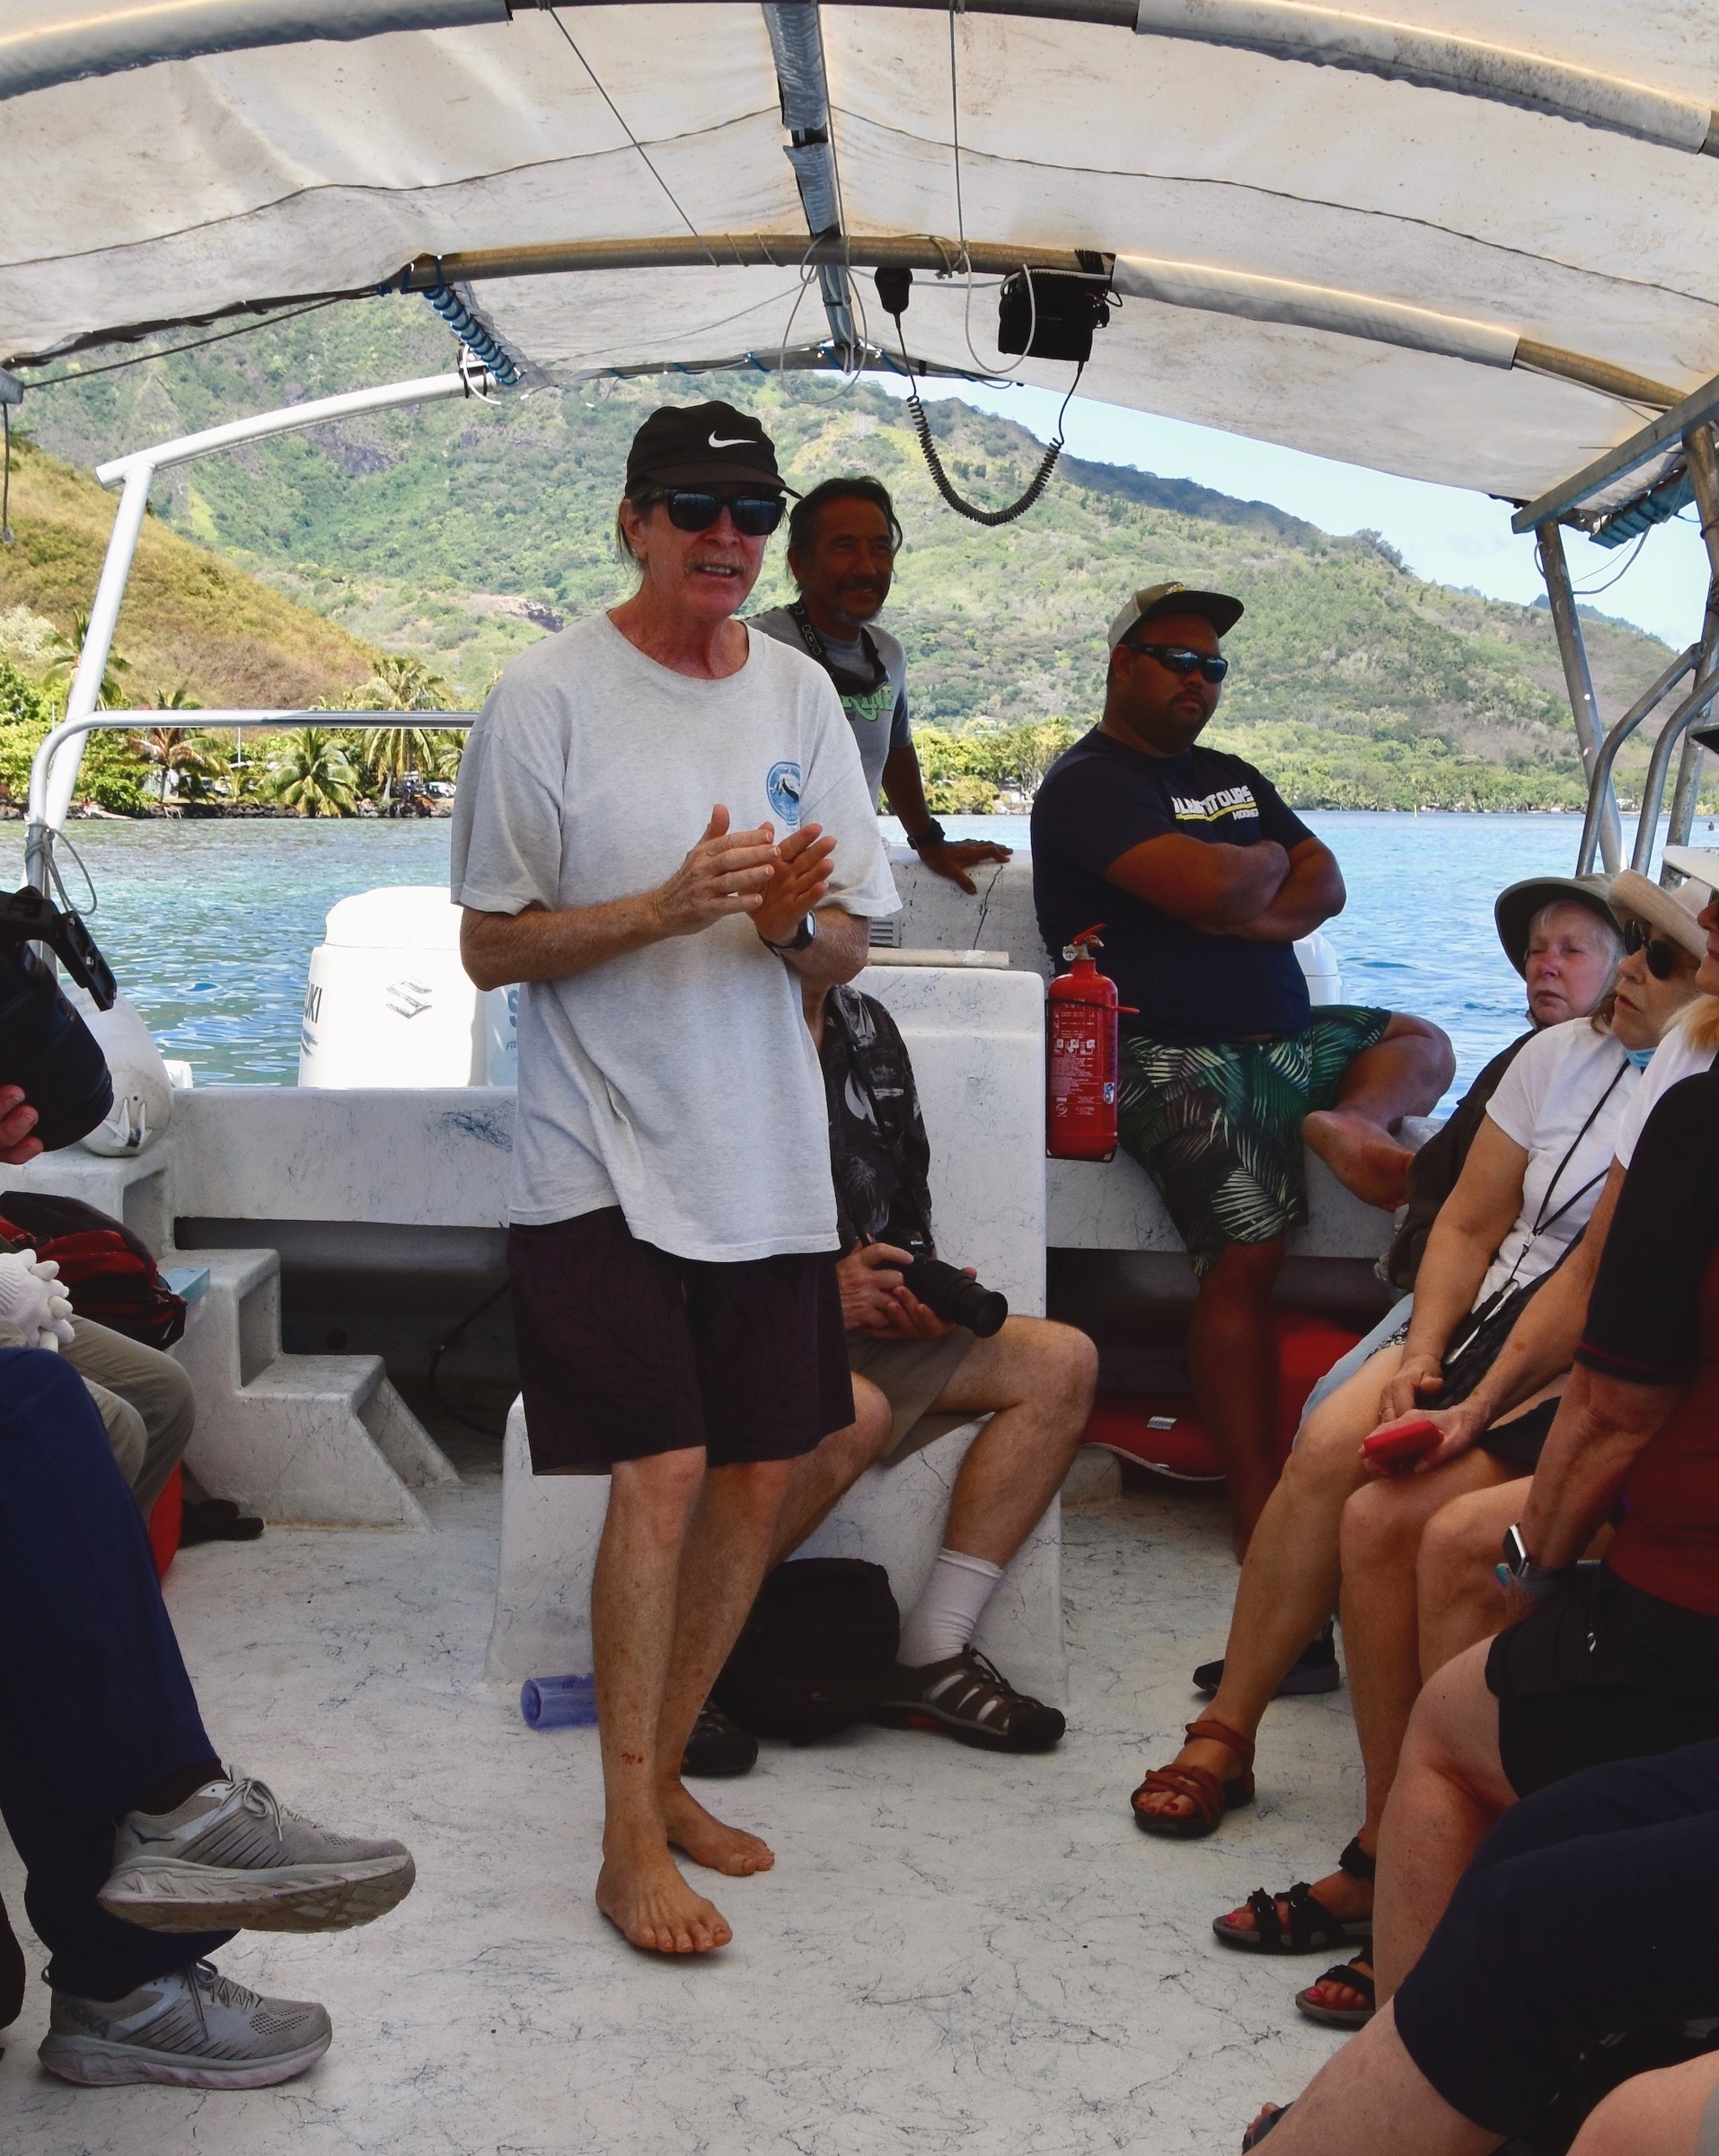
column 1219, row 1127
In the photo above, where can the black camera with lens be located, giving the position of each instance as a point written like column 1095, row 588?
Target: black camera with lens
column 45, row 1046
column 952, row 1295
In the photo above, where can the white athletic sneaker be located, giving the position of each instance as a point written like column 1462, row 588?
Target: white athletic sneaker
column 233, row 1855
column 193, row 2028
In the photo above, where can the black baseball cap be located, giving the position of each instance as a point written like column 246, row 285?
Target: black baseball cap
column 702, row 445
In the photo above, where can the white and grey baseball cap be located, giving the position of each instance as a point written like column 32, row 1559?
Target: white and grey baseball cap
column 1214, row 606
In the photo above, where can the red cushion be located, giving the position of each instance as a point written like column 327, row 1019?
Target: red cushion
column 1306, row 1347
column 165, row 1519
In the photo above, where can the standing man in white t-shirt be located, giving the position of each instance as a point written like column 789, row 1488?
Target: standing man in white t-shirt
column 662, row 829
column 843, row 540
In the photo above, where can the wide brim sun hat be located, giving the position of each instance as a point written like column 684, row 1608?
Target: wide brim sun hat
column 1515, row 906
column 1699, row 863
column 1670, row 914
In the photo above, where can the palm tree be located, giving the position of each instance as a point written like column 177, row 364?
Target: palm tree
column 69, row 650
column 391, row 753
column 188, row 764
column 312, row 775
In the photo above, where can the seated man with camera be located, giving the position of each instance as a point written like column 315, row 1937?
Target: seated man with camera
column 925, row 1340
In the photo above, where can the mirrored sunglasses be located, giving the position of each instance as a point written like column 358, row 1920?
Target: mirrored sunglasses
column 692, row 509
column 1177, row 658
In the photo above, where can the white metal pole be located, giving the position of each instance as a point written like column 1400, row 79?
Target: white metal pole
column 428, row 389
column 92, row 660
column 1584, row 706
column 50, row 801
column 1704, row 483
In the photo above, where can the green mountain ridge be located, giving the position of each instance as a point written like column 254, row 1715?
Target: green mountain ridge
column 460, row 534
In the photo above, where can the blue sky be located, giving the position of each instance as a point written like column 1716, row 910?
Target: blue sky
column 1443, row 532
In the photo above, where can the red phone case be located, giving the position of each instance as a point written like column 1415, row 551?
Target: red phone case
column 1402, row 1443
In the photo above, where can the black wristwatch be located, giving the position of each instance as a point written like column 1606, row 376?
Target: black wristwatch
column 1523, row 1572
column 805, row 935
column 933, row 835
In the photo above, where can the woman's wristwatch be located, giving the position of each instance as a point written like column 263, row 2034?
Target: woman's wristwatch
column 1520, row 1570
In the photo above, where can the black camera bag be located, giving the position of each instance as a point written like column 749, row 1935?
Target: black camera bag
column 814, row 1656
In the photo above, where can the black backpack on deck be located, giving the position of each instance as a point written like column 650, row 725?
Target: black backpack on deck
column 815, row 1654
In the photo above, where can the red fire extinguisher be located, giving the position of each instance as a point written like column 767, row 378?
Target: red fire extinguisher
column 1080, row 1107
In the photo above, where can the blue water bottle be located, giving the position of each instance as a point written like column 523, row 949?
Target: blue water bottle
column 559, row 1703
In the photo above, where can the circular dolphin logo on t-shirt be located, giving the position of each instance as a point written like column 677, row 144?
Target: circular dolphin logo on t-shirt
column 783, row 788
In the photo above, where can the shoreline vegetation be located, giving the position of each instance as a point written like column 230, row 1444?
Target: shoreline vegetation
column 400, row 559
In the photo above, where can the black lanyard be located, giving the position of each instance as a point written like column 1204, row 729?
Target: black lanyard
column 847, row 683
column 1541, row 1221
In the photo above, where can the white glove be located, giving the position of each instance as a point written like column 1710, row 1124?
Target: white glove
column 31, row 1300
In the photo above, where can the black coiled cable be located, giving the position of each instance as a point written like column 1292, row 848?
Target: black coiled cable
column 1036, row 486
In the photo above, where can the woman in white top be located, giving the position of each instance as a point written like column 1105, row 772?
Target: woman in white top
column 1533, row 1175
column 1551, row 1131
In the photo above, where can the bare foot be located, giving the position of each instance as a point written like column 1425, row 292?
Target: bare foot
column 1363, row 1157
column 646, row 1899
column 709, row 1843
column 1199, row 1751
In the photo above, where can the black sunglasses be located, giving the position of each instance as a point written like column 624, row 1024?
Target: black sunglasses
column 1661, row 956
column 1177, row 658
column 692, row 509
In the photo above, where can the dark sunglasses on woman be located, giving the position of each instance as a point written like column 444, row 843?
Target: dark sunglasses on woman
column 1661, row 956
column 755, row 515
column 1177, row 658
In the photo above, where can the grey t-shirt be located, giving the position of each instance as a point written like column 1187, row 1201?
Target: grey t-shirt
column 880, row 720
column 679, row 1082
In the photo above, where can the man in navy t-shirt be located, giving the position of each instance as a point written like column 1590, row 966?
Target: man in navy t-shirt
column 1205, row 880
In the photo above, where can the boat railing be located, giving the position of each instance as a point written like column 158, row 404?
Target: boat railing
column 38, row 838
column 1599, row 784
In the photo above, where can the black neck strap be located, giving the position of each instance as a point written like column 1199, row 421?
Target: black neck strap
column 847, row 683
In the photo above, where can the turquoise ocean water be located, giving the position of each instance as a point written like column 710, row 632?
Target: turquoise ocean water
column 210, row 925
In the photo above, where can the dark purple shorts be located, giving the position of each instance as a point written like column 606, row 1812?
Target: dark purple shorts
column 626, row 1350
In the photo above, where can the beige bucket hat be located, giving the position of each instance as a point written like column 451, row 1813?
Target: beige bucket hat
column 1670, row 912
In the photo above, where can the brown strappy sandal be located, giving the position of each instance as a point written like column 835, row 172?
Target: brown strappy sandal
column 1209, row 1797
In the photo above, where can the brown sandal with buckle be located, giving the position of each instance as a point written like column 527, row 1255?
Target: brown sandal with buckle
column 1209, row 1797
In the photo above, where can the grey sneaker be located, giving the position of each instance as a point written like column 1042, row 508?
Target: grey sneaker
column 193, row 2028
column 233, row 1855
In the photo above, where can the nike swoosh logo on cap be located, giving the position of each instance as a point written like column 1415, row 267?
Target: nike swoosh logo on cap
column 737, row 441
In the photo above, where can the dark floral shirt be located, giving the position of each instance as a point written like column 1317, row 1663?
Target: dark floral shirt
column 878, row 1153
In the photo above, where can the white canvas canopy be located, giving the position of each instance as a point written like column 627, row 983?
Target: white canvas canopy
column 1477, row 248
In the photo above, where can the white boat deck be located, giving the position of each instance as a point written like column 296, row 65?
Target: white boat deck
column 955, row 1952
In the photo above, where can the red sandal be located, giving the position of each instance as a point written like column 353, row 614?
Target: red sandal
column 1209, row 1797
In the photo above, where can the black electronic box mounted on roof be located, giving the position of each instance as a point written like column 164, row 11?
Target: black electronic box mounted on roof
column 1051, row 314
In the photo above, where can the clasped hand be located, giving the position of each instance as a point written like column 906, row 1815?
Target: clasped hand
column 30, row 1298
column 747, row 872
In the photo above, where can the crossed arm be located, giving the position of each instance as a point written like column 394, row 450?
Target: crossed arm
column 1262, row 893
column 726, row 872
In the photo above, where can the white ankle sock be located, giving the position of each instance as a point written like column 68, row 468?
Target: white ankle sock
column 944, row 1618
